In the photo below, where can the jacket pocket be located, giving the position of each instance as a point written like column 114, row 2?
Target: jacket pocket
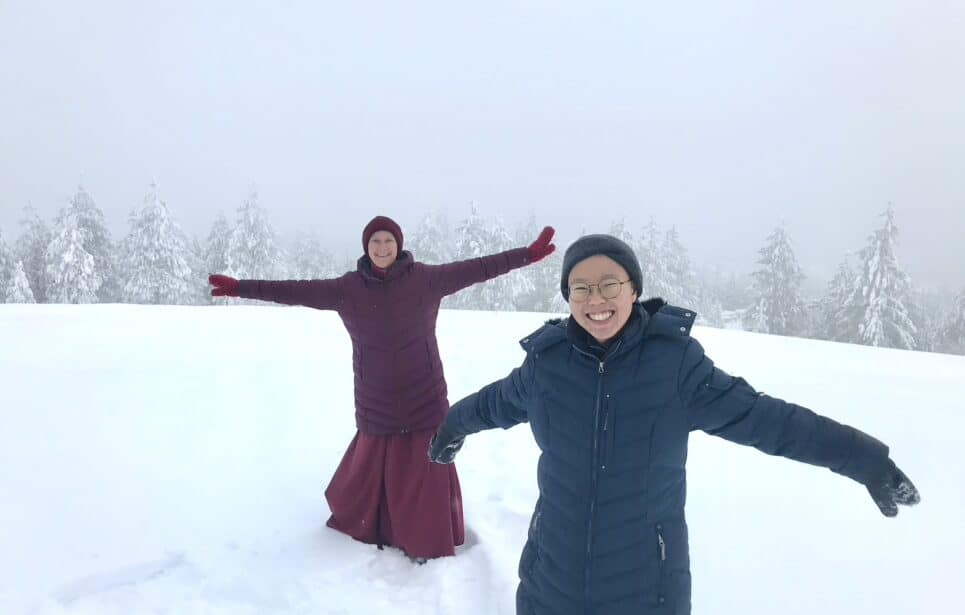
column 430, row 364
column 608, row 436
column 661, row 545
column 531, row 551
column 412, row 361
column 673, row 566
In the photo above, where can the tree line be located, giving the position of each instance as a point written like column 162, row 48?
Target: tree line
column 869, row 300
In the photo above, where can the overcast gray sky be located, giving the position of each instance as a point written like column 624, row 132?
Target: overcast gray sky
column 723, row 118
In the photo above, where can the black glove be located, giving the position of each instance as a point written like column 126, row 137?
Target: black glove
column 443, row 446
column 891, row 488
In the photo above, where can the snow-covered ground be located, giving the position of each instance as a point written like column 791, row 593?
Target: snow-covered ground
column 173, row 460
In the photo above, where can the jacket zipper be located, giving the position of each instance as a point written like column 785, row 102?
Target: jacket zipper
column 605, row 443
column 594, row 476
column 661, row 586
column 594, row 473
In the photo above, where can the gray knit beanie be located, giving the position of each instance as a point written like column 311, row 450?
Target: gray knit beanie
column 607, row 245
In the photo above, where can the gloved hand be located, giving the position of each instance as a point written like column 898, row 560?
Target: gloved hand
column 224, row 286
column 443, row 446
column 541, row 248
column 891, row 488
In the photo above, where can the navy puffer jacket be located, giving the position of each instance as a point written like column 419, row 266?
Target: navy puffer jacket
column 608, row 536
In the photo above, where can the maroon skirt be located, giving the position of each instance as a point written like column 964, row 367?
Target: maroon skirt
column 387, row 492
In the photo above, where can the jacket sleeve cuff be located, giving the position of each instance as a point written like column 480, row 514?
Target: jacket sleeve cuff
column 868, row 458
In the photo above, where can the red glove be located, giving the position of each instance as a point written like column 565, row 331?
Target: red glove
column 541, row 248
column 224, row 286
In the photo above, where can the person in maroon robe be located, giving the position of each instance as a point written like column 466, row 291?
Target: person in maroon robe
column 385, row 490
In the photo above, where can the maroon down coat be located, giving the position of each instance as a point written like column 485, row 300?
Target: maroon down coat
column 399, row 382
column 385, row 490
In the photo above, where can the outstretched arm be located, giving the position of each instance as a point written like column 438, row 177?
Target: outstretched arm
column 453, row 277
column 725, row 406
column 499, row 404
column 319, row 294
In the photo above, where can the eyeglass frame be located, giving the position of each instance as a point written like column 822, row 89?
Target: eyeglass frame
column 589, row 289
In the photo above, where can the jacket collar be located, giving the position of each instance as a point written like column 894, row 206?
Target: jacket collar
column 630, row 335
column 396, row 270
column 652, row 317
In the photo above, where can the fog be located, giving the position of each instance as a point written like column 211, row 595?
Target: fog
column 724, row 119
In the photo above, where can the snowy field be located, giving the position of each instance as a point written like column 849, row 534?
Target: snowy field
column 172, row 460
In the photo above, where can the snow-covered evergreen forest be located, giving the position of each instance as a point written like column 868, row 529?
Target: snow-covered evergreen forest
column 869, row 300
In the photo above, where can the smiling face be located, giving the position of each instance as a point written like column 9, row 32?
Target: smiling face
column 601, row 317
column 383, row 250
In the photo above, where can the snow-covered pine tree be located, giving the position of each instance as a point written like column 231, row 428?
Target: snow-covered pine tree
column 471, row 241
column 7, row 264
column 777, row 307
column 725, row 298
column 475, row 237
column 935, row 308
column 733, row 290
column 30, row 248
column 253, row 250
column 707, row 304
column 544, row 276
column 214, row 256
column 546, row 280
column 216, row 247
column 618, row 228
column 833, row 320
column 471, row 236
column 512, row 291
column 681, row 281
column 924, row 310
column 653, row 265
column 310, row 260
column 69, row 270
column 505, row 292
column 97, row 242
column 199, row 271
column 432, row 241
column 875, row 313
column 157, row 265
column 951, row 337
column 18, row 288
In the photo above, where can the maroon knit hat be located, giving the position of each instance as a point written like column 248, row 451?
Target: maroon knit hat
column 381, row 223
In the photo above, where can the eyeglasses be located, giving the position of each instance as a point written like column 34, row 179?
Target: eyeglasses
column 609, row 288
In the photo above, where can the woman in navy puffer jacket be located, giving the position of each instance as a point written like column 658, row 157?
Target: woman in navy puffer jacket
column 385, row 491
column 611, row 394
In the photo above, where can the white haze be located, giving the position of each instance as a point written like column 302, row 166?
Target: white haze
column 722, row 119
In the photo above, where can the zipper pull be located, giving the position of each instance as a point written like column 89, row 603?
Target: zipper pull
column 663, row 547
column 601, row 367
